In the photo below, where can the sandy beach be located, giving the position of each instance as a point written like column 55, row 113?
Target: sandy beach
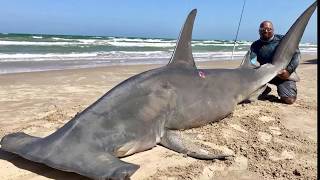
column 270, row 140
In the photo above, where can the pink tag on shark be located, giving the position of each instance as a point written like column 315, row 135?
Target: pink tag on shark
column 201, row 74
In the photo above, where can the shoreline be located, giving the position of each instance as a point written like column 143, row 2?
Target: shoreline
column 151, row 65
column 42, row 66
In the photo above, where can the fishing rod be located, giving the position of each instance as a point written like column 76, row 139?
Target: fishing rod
column 235, row 40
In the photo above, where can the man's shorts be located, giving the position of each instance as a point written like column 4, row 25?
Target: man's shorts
column 285, row 88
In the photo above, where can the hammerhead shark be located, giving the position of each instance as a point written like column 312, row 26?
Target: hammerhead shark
column 150, row 108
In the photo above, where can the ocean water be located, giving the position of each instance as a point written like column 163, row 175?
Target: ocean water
column 28, row 52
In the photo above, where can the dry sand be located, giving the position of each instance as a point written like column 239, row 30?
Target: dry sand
column 270, row 140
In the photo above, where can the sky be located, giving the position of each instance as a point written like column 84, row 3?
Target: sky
column 216, row 19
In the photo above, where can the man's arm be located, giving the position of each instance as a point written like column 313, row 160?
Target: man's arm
column 253, row 55
column 292, row 66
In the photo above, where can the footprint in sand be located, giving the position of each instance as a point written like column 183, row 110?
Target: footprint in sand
column 265, row 137
column 240, row 163
column 266, row 118
column 275, row 130
column 284, row 155
column 238, row 128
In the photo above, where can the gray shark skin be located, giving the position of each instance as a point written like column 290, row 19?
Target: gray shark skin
column 148, row 108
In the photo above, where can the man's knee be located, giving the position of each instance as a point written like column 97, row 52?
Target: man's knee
column 289, row 100
column 287, row 91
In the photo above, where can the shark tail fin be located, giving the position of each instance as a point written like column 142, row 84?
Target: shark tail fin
column 290, row 42
column 182, row 54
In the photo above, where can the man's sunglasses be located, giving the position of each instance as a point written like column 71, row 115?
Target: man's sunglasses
column 265, row 29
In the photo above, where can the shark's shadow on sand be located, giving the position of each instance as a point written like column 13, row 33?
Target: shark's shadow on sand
column 271, row 98
column 311, row 61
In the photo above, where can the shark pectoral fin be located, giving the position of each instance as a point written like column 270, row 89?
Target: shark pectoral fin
column 182, row 55
column 255, row 95
column 80, row 158
column 173, row 140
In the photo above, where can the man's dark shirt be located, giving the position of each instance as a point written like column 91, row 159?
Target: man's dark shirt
column 264, row 51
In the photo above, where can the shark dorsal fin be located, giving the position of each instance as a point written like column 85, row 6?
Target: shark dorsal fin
column 182, row 55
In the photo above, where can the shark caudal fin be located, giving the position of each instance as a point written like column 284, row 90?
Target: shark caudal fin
column 291, row 40
column 182, row 55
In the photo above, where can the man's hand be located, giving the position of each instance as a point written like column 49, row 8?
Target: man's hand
column 283, row 74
